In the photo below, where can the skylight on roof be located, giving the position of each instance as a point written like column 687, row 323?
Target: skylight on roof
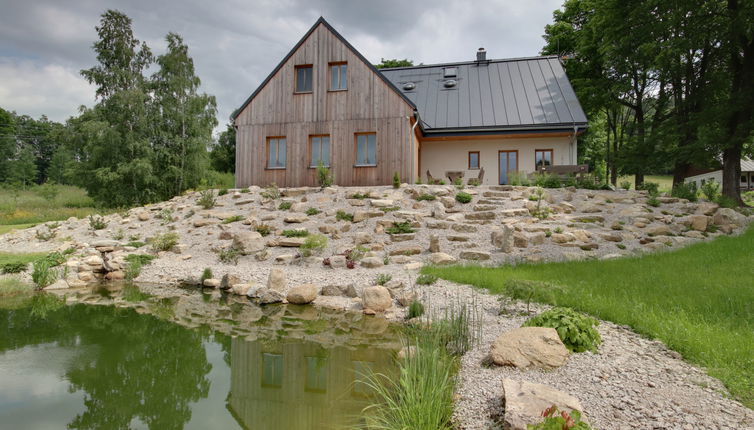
column 450, row 72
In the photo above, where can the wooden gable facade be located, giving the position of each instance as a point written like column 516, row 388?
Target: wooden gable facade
column 370, row 104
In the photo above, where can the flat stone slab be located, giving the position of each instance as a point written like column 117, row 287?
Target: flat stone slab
column 524, row 403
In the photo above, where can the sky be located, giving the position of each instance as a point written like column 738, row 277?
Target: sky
column 235, row 44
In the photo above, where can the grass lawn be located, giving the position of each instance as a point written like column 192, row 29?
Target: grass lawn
column 665, row 181
column 6, row 257
column 29, row 207
column 699, row 300
column 6, row 228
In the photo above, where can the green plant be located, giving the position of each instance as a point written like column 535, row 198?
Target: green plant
column 653, row 201
column 324, row 176
column 13, row 267
column 166, row 215
column 244, row 190
column 234, row 218
column 415, row 309
column 356, row 254
column 390, row 209
column 396, row 180
column 576, row 330
column 295, row 233
column 207, row 199
column 726, row 202
column 97, row 222
column 132, row 293
column 652, row 187
column 426, row 279
column 710, row 189
column 272, row 192
column 134, row 263
column 136, row 244
column 119, row 234
column 620, row 246
column 45, row 236
column 527, row 290
column 463, row 197
column 474, row 182
column 626, row 185
column 312, row 211
column 48, row 191
column 562, row 421
column 441, row 182
column 458, row 182
column 403, row 227
column 228, row 255
column 206, row 274
column 418, row 181
column 343, row 216
column 382, row 279
column 222, row 192
column 314, row 244
column 548, row 233
column 540, row 212
column 43, row 274
column 359, row 196
column 426, row 196
column 518, row 178
column 686, row 190
column 263, row 229
column 284, row 206
column 164, row 241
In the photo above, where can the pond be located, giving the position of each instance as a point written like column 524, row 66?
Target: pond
column 116, row 359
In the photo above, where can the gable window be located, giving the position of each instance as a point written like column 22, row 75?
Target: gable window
column 366, row 149
column 304, row 76
column 338, row 76
column 542, row 158
column 473, row 160
column 320, row 150
column 276, row 152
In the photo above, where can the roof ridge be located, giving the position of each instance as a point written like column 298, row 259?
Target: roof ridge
column 470, row 62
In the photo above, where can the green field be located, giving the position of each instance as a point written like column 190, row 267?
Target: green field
column 30, row 207
column 698, row 300
column 665, row 181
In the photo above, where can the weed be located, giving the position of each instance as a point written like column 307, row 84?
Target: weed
column 207, row 199
column 164, row 241
column 462, row 197
column 263, row 229
column 415, row 309
column 272, row 192
column 400, row 228
column 313, row 211
column 563, row 421
column 43, row 274
column 558, row 230
column 284, row 206
column 206, row 274
column 359, row 196
column 426, row 279
column 620, row 246
column 97, row 222
column 45, row 236
column 222, row 192
column 710, row 190
column 13, row 267
column 167, row 216
column 295, row 233
column 474, row 182
column 228, row 255
column 343, row 216
column 135, row 244
column 626, row 185
column 390, row 209
column 324, row 176
column 314, row 244
column 396, row 180
column 653, row 201
column 234, row 218
column 426, row 197
column 686, row 191
column 244, row 190
column 119, row 234
column 382, row 279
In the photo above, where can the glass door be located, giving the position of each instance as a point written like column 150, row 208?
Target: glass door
column 508, row 163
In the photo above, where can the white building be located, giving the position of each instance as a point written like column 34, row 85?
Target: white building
column 746, row 181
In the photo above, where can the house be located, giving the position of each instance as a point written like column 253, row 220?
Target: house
column 324, row 102
column 700, row 177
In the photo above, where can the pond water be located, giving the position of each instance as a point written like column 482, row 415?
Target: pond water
column 121, row 359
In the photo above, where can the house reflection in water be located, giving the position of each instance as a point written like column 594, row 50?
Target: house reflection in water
column 299, row 385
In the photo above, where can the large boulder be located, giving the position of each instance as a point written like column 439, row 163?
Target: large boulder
column 228, row 281
column 537, row 347
column 441, row 259
column 248, row 242
column 377, row 298
column 276, row 280
column 698, row 222
column 503, row 239
column 725, row 216
column 524, row 403
column 302, row 294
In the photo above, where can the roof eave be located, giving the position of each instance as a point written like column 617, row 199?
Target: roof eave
column 467, row 131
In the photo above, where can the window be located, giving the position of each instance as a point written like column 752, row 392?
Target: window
column 272, row 370
column 320, row 150
column 473, row 160
column 450, row 72
column 316, row 374
column 304, row 79
column 276, row 153
column 338, row 76
column 360, row 386
column 366, row 149
column 744, row 179
column 542, row 158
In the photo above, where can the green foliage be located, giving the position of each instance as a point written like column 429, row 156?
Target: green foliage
column 48, row 191
column 359, row 196
column 272, row 192
column 285, row 205
column 313, row 245
column 383, row 278
column 136, row 244
column 403, row 227
column 45, row 235
column 710, row 190
column 390, row 209
column 726, row 202
column 653, row 201
column 426, row 279
column 132, row 293
column 206, row 274
column 97, row 222
column 576, row 330
column 164, row 241
column 474, row 182
column 134, row 263
column 207, row 199
column 652, row 187
column 540, row 212
column 625, row 185
column 167, row 216
column 228, row 255
column 396, row 180
column 562, row 421
column 234, row 218
column 295, row 233
column 462, row 197
column 324, row 176
column 13, row 267
column 263, row 229
column 222, row 156
column 686, row 190
column 527, row 290
column 343, row 216
column 425, row 196
column 313, row 211
column 43, row 274
column 222, row 192
column 394, row 62
column 415, row 309
column 519, row 178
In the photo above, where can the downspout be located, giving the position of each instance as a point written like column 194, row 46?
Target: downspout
column 413, row 176
column 574, row 148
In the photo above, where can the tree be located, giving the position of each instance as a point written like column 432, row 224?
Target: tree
column 183, row 120
column 22, row 168
column 223, row 153
column 7, row 143
column 394, row 63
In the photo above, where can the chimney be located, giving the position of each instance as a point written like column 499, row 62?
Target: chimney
column 481, row 55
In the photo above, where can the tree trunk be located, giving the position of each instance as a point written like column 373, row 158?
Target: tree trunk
column 638, row 180
column 732, row 174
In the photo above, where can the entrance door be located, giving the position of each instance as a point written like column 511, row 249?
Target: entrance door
column 508, row 163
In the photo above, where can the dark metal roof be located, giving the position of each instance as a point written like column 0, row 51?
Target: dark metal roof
column 492, row 96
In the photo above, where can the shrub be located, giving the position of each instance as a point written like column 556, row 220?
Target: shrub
column 576, row 330
column 97, row 222
column 418, row 181
column 396, row 180
column 458, row 182
column 726, row 202
column 400, row 228
column 284, row 206
column 263, row 229
column 562, row 421
column 295, row 233
column 570, row 181
column 234, row 218
column 119, row 234
column 222, row 192
column 324, row 177
column 463, row 197
column 14, row 267
column 313, row 244
column 710, row 190
column 382, row 279
column 653, row 201
column 518, row 178
column 343, row 216
column 48, row 191
column 228, row 255
column 552, row 181
column 652, row 187
column 312, row 211
column 206, row 274
column 474, row 182
column 355, row 254
column 588, row 182
column 685, row 191
column 359, row 196
column 626, row 185
column 425, row 196
column 415, row 309
column 426, row 279
column 207, row 199
column 166, row 215
column 272, row 192
column 540, row 212
column 164, row 241
column 43, row 274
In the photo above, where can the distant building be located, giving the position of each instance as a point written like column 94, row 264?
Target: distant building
column 746, row 181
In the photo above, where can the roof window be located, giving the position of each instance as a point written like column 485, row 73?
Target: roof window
column 450, row 72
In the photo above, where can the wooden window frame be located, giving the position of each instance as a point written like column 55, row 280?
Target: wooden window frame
column 478, row 160
column 311, row 161
column 295, row 78
column 518, row 158
column 552, row 157
column 329, row 76
column 356, row 148
column 267, row 153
